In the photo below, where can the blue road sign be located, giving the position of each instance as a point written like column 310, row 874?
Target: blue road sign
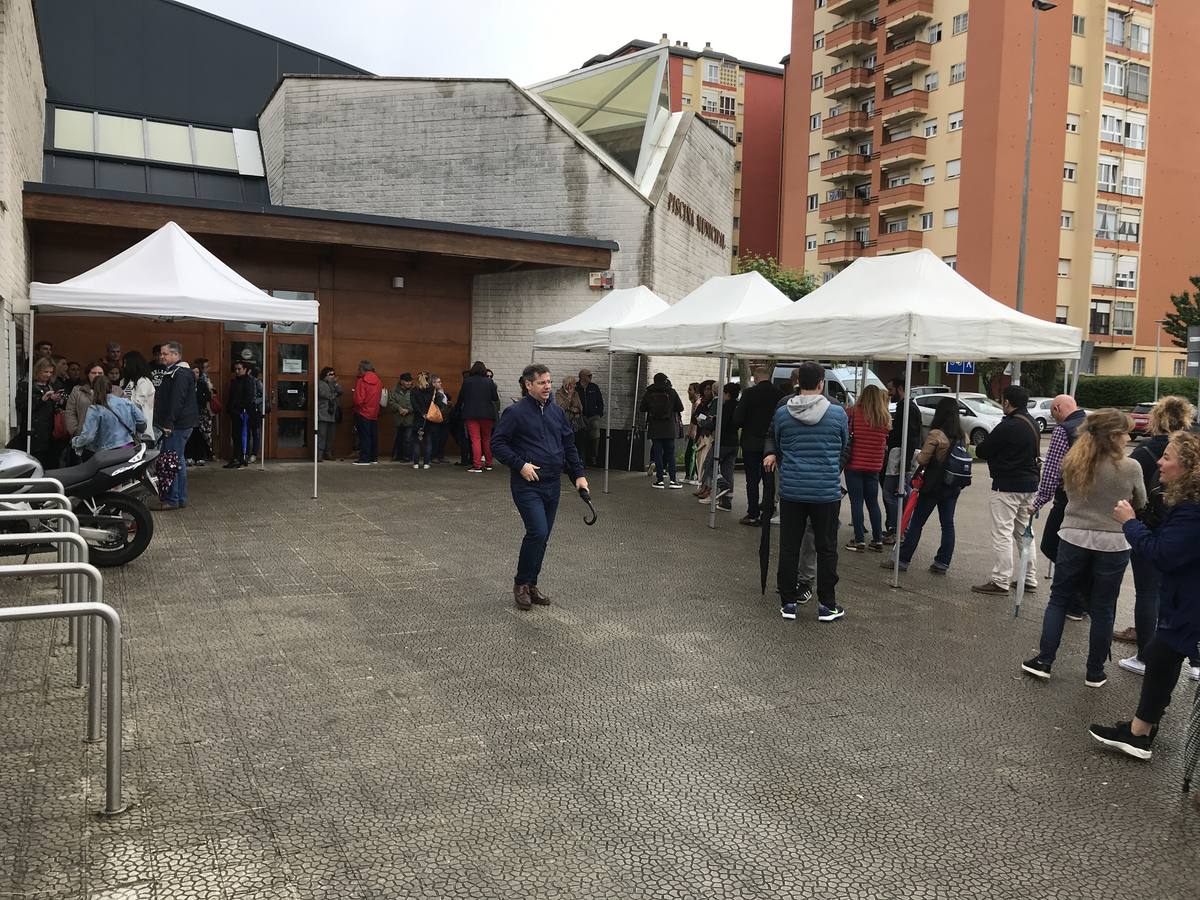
column 960, row 368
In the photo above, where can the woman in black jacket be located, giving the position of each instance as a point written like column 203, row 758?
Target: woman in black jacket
column 478, row 399
column 40, row 421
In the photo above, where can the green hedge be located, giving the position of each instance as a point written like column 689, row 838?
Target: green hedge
column 1096, row 391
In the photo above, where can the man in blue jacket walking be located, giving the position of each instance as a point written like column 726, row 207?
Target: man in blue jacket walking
column 805, row 443
column 535, row 440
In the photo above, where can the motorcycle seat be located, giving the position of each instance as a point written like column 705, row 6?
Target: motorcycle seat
column 76, row 475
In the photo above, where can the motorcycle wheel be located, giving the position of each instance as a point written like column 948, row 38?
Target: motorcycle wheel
column 130, row 539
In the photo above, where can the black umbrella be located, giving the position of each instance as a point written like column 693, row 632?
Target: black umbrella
column 766, row 514
column 586, row 497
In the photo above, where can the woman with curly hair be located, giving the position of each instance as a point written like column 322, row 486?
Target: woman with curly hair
column 1174, row 549
column 1092, row 553
column 1170, row 414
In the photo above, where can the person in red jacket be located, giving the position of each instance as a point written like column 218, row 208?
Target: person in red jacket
column 869, row 426
column 367, row 391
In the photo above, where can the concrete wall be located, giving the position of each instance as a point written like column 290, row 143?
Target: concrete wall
column 22, row 124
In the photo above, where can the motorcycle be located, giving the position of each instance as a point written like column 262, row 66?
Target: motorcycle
column 105, row 492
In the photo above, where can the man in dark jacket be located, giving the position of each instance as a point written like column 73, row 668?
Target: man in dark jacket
column 240, row 406
column 477, row 401
column 893, row 495
column 175, row 415
column 1012, row 452
column 753, row 416
column 593, row 411
column 662, row 408
column 535, row 440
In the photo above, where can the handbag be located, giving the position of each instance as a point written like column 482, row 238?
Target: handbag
column 434, row 413
column 214, row 405
column 60, row 427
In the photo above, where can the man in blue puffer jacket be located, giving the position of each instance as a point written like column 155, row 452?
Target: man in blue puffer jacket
column 806, row 441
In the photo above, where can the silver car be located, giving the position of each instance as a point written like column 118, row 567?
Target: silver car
column 1039, row 409
column 979, row 413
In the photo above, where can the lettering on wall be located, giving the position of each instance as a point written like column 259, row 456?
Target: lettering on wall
column 695, row 220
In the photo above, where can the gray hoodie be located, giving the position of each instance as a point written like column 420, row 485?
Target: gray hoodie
column 807, row 409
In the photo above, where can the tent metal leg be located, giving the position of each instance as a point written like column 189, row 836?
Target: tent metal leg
column 608, row 421
column 637, row 376
column 29, row 345
column 904, row 452
column 715, row 453
column 262, row 426
column 316, row 413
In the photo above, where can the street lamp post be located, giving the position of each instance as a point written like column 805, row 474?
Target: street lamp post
column 1038, row 6
column 1157, row 344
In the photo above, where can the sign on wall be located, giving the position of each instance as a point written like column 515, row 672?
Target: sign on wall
column 685, row 212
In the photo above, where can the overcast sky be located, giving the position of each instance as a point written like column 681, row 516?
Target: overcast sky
column 525, row 40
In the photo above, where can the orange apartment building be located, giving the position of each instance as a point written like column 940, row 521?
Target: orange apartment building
column 745, row 101
column 905, row 126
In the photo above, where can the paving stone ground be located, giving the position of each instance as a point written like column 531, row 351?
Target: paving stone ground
column 336, row 698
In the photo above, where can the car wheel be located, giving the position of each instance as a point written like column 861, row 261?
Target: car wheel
column 978, row 435
column 1042, row 426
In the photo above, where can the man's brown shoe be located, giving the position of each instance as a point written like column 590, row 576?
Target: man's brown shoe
column 521, row 596
column 537, row 596
column 1129, row 636
column 989, row 587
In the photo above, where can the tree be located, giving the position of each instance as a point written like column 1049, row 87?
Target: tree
column 1186, row 315
column 793, row 282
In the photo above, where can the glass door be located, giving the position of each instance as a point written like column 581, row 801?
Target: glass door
column 291, row 370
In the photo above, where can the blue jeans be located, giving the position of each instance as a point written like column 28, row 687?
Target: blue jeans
column 663, row 454
column 863, row 487
column 537, row 502
column 176, row 441
column 945, row 505
column 368, row 438
column 892, row 505
column 1073, row 567
column 422, row 441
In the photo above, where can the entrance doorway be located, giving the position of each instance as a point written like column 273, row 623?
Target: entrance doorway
column 287, row 375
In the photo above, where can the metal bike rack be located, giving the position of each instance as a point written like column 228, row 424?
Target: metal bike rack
column 30, row 482
column 97, row 611
column 68, row 521
column 58, row 500
column 77, row 551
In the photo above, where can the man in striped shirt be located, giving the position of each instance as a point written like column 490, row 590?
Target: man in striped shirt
column 1069, row 417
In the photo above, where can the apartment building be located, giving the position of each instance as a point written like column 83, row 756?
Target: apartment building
column 745, row 102
column 905, row 125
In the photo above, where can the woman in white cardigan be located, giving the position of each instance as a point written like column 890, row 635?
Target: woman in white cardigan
column 138, row 388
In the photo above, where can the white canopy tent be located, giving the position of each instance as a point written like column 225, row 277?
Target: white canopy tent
column 168, row 275
column 697, row 326
column 591, row 330
column 898, row 307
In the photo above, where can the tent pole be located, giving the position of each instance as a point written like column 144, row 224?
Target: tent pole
column 29, row 345
column 316, row 414
column 608, row 420
column 715, row 452
column 1075, row 376
column 637, row 375
column 262, row 426
column 904, row 452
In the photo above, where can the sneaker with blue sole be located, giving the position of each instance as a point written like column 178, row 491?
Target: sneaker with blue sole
column 829, row 613
column 788, row 610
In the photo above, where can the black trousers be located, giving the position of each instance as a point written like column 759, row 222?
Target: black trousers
column 1162, row 673
column 794, row 519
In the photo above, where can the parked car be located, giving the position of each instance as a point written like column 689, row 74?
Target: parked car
column 1141, row 420
column 1039, row 408
column 922, row 390
column 841, row 382
column 979, row 413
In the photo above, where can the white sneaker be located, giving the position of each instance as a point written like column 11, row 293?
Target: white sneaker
column 416, row 465
column 1133, row 664
column 1194, row 673
column 426, row 466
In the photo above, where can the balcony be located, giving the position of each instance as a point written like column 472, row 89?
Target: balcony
column 849, row 82
column 844, row 206
column 902, row 107
column 845, row 125
column 899, row 242
column 906, row 196
column 902, row 152
column 842, row 252
column 851, row 165
column 850, row 38
column 904, row 61
column 902, row 16
column 845, row 7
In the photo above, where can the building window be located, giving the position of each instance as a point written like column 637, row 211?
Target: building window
column 1098, row 321
column 1137, row 82
column 950, row 218
column 955, row 120
column 737, row 165
column 958, row 72
column 687, row 99
column 735, row 254
column 1114, row 76
column 813, row 202
column 818, row 81
column 1075, row 74
column 737, row 222
column 862, row 234
column 926, row 221
column 814, row 121
column 934, row 34
column 895, row 226
column 1072, row 123
column 814, row 161
column 1123, row 321
column 1069, row 169
column 810, row 242
column 1104, row 269
column 931, row 81
column 960, row 23
column 1139, row 38
column 1130, row 225
column 831, row 237
column 928, row 174
column 188, row 145
column 739, row 137
column 951, row 261
column 1064, row 268
column 896, row 181
column 1112, row 128
column 1126, row 277
column 930, row 127
column 1114, row 28
column 1139, row 365
column 1066, row 220
column 818, row 40
column 1077, row 25
column 708, row 102
column 728, row 104
column 688, row 70
column 1135, row 131
column 1133, row 177
column 1060, row 315
column 1178, row 367
column 1106, row 222
column 712, row 72
column 953, row 168
column 1106, row 177
column 820, row 4
column 727, row 129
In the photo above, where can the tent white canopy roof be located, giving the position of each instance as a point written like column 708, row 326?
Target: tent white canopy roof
column 696, row 325
column 589, row 330
column 893, row 306
column 168, row 275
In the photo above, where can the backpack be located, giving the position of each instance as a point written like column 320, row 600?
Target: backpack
column 659, row 405
column 383, row 397
column 956, row 470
